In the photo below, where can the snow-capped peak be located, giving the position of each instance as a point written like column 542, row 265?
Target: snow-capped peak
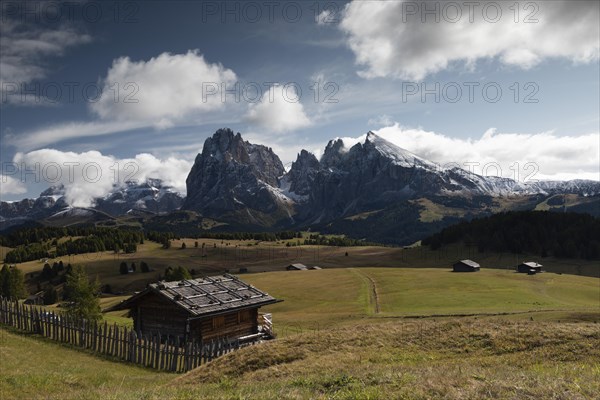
column 396, row 153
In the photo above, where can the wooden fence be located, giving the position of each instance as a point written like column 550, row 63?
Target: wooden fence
column 158, row 352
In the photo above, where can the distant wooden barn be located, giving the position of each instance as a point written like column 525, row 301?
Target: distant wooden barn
column 200, row 309
column 466, row 266
column 296, row 267
column 37, row 299
column 529, row 267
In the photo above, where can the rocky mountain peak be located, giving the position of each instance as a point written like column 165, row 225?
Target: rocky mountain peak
column 333, row 154
column 232, row 174
column 303, row 172
column 306, row 158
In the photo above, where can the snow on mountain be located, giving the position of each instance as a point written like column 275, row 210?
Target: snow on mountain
column 242, row 183
column 396, row 154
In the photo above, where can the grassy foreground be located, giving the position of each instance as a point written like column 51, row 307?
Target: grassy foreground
column 467, row 359
column 363, row 333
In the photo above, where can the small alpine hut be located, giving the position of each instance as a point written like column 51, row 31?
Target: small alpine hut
column 529, row 267
column 296, row 267
column 200, row 309
column 37, row 299
column 466, row 266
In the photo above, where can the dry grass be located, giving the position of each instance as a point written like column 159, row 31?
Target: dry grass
column 470, row 359
column 426, row 359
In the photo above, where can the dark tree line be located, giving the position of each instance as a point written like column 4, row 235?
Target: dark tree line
column 92, row 244
column 27, row 235
column 95, row 240
column 340, row 241
column 28, row 252
column 567, row 235
column 162, row 237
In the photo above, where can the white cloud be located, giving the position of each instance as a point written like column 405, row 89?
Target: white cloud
column 169, row 90
column 555, row 157
column 162, row 90
column 89, row 175
column 279, row 110
column 389, row 38
column 24, row 54
column 59, row 132
column 10, row 185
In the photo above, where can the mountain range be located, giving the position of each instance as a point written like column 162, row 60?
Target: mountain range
column 373, row 190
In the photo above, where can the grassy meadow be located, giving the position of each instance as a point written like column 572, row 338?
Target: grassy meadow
column 362, row 333
column 217, row 256
column 326, row 298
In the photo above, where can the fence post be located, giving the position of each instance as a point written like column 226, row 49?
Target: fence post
column 132, row 340
column 186, row 355
column 175, row 357
column 82, row 334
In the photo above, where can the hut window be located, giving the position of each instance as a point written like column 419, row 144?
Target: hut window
column 218, row 322
column 244, row 316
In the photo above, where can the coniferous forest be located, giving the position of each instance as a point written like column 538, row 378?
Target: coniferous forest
column 563, row 235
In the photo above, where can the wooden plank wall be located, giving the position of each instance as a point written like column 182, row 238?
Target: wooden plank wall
column 166, row 353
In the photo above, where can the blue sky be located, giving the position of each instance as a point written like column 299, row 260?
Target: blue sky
column 373, row 60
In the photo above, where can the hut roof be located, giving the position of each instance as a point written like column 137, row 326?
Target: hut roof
column 35, row 296
column 470, row 263
column 205, row 296
column 298, row 266
column 532, row 264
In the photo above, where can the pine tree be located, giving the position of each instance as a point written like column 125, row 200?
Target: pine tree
column 176, row 274
column 83, row 295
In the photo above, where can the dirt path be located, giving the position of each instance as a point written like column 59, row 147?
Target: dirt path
column 373, row 295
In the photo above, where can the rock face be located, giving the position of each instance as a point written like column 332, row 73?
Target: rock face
column 303, row 172
column 369, row 175
column 373, row 185
column 236, row 181
column 244, row 183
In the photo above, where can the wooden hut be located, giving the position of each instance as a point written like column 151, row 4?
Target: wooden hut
column 529, row 267
column 37, row 299
column 466, row 266
column 296, row 267
column 200, row 309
